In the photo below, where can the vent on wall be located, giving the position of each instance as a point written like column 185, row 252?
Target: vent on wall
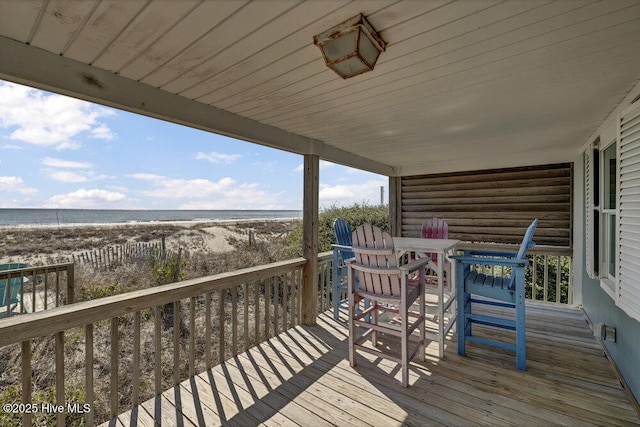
column 604, row 332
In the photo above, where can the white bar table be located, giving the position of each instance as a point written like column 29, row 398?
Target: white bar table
column 441, row 247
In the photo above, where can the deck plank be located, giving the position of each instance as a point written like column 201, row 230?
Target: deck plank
column 303, row 377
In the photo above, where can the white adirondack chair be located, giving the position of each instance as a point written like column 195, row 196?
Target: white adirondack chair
column 436, row 228
column 389, row 289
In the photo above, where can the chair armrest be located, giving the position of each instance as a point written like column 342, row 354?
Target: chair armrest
column 341, row 247
column 473, row 252
column 505, row 262
column 414, row 265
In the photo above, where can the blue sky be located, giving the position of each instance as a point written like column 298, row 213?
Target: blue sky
column 60, row 152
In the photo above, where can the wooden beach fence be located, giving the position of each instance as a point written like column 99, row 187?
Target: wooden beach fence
column 115, row 255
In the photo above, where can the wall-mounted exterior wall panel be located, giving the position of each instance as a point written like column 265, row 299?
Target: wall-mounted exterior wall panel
column 493, row 205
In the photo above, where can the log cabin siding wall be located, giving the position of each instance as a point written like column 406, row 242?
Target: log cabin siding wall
column 493, row 205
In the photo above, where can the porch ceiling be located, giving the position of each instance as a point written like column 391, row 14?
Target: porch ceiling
column 462, row 85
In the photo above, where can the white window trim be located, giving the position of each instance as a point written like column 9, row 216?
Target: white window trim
column 607, row 283
column 589, row 210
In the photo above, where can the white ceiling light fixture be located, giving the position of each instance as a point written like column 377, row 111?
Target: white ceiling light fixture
column 350, row 48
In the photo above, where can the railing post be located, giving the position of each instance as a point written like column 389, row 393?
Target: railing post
column 395, row 214
column 70, row 284
column 309, row 306
column 26, row 381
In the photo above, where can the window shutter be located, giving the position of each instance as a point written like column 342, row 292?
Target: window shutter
column 629, row 225
column 588, row 212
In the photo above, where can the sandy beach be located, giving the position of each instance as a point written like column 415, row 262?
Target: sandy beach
column 47, row 244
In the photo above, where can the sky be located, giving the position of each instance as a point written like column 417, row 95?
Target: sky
column 61, row 152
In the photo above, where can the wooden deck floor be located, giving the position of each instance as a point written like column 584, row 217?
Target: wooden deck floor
column 302, row 377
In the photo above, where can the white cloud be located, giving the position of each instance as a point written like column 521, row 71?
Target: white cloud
column 15, row 184
column 102, row 132
column 69, row 176
column 37, row 118
column 225, row 193
column 265, row 166
column 69, row 145
column 183, row 188
column 61, row 163
column 87, row 199
column 323, row 165
column 347, row 194
column 215, row 157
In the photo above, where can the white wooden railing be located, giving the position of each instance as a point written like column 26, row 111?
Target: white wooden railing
column 161, row 336
column 155, row 337
column 551, row 284
column 40, row 288
column 325, row 287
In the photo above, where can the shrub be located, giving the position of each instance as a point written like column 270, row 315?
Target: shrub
column 355, row 215
column 168, row 270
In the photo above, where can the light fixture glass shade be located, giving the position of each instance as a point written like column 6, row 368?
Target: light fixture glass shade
column 340, row 47
column 350, row 67
column 350, row 48
column 368, row 50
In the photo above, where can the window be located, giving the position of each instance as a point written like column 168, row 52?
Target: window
column 601, row 203
column 612, row 210
column 608, row 210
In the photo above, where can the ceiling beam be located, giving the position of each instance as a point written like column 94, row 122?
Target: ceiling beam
column 41, row 69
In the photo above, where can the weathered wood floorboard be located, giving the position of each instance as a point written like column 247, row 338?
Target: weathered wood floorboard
column 303, row 377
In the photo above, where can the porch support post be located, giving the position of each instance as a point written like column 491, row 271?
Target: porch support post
column 309, row 298
column 395, row 207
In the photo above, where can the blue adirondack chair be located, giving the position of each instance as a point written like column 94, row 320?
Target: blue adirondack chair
column 496, row 290
column 341, row 252
column 10, row 297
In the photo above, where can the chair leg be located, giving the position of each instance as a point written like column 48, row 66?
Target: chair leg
column 405, row 340
column 422, row 301
column 352, row 331
column 521, row 350
column 461, row 300
column 521, row 345
column 373, row 318
column 440, row 306
column 336, row 294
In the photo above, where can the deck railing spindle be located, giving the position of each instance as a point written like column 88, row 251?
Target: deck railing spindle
column 59, row 348
column 26, row 381
column 115, row 350
column 88, row 366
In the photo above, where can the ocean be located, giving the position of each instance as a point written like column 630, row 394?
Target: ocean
column 65, row 217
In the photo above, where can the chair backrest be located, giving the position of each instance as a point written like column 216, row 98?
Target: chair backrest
column 3, row 292
column 342, row 233
column 375, row 253
column 15, row 283
column 527, row 243
column 12, row 266
column 435, row 228
column 15, row 291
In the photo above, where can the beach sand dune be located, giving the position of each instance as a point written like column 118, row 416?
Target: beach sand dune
column 46, row 245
